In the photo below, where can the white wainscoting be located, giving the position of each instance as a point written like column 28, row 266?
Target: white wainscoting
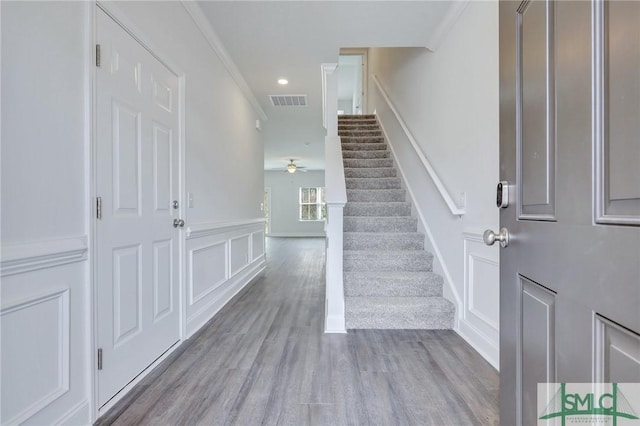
column 480, row 316
column 44, row 328
column 222, row 258
column 35, row 336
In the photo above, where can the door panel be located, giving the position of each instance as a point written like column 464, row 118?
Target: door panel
column 537, row 354
column 576, row 245
column 536, row 140
column 127, row 289
column 162, row 273
column 618, row 353
column 126, row 154
column 616, row 61
column 137, row 180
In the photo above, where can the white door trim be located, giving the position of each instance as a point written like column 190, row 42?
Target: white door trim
column 91, row 169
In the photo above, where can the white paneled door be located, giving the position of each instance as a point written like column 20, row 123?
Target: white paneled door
column 137, row 183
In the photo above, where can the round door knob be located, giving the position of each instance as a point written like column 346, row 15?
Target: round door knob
column 491, row 237
column 178, row 223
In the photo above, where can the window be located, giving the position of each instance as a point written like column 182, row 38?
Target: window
column 312, row 204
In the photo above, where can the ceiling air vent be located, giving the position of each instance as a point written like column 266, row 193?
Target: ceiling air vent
column 288, row 100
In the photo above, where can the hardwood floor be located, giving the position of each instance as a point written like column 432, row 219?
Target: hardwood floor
column 264, row 360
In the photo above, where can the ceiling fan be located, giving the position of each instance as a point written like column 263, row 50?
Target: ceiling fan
column 293, row 167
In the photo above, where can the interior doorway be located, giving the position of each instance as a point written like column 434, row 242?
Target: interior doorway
column 352, row 82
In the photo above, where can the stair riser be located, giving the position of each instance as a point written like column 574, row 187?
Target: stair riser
column 383, row 261
column 377, row 209
column 357, row 126
column 376, row 163
column 366, row 155
column 360, row 133
column 361, row 139
column 376, row 321
column 381, row 172
column 376, row 195
column 387, row 224
column 401, row 242
column 356, row 286
column 363, row 146
column 380, row 183
column 399, row 312
column 349, row 117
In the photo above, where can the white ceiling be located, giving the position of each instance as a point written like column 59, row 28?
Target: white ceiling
column 269, row 40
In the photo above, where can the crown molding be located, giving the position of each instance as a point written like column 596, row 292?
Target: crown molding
column 448, row 21
column 203, row 24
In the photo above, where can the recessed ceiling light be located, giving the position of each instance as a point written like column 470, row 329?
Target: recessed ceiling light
column 283, row 81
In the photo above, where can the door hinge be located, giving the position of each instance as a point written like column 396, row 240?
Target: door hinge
column 99, row 358
column 99, row 207
column 98, row 55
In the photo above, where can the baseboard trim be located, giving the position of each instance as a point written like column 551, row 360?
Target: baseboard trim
column 78, row 414
column 196, row 321
column 334, row 324
column 481, row 343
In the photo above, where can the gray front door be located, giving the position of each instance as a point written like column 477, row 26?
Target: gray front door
column 570, row 150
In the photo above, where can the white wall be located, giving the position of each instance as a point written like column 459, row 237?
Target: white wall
column 44, row 213
column 222, row 142
column 285, row 201
column 449, row 101
column 47, row 49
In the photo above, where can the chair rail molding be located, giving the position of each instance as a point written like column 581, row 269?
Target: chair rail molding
column 448, row 199
column 30, row 256
column 199, row 230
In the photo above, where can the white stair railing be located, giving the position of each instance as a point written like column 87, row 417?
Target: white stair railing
column 336, row 198
column 448, row 199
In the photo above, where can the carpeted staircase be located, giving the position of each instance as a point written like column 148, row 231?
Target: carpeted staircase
column 388, row 278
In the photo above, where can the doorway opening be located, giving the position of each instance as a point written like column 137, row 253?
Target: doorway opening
column 352, row 81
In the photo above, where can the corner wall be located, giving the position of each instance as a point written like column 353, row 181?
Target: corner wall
column 449, row 101
column 285, row 203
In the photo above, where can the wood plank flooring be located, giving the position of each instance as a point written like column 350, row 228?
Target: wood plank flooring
column 264, row 360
